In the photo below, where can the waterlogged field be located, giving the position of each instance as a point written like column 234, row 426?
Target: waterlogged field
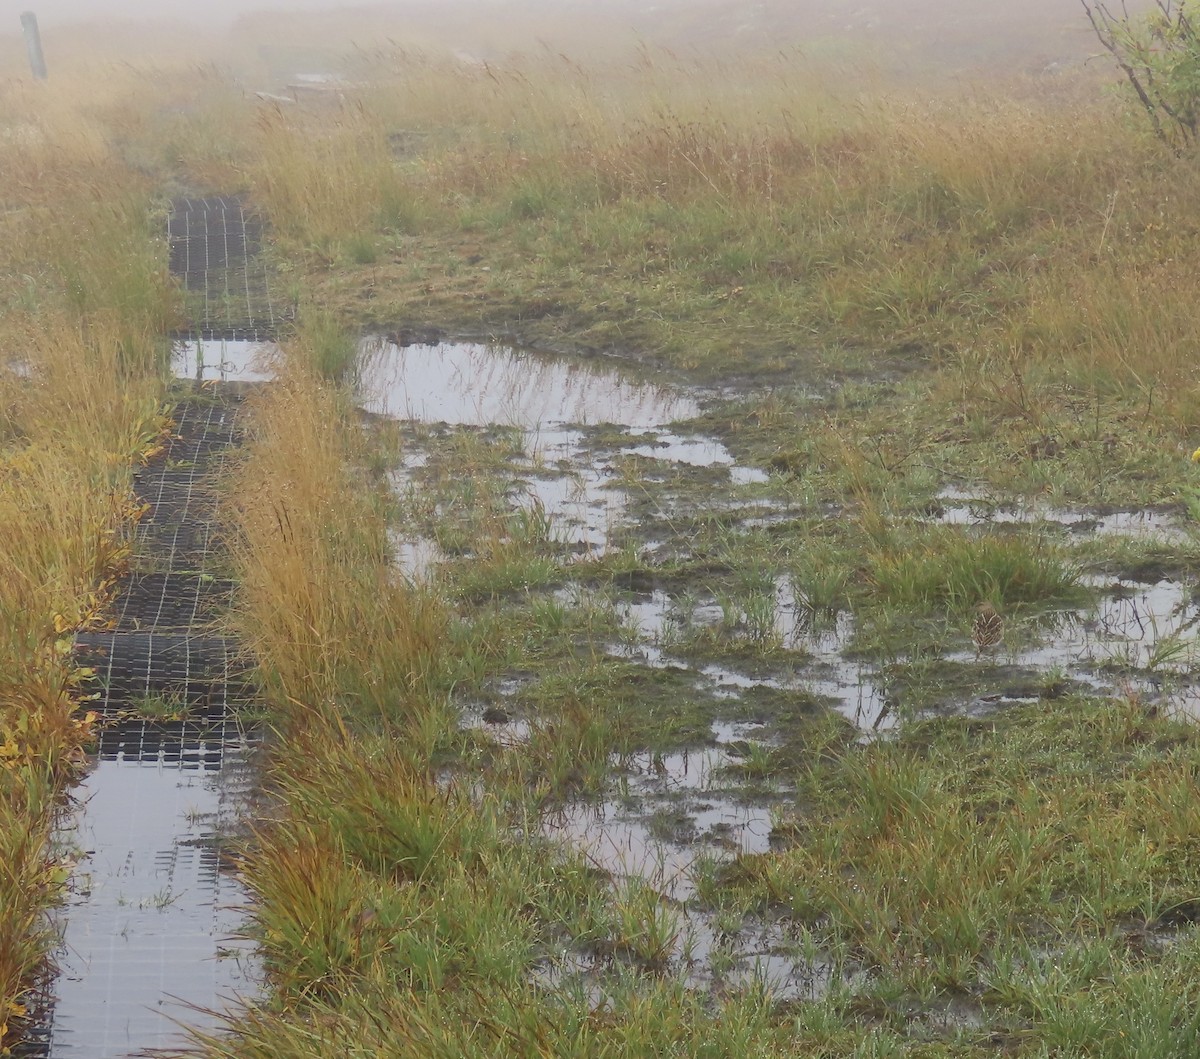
column 720, row 565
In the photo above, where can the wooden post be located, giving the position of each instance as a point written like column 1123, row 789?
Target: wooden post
column 33, row 44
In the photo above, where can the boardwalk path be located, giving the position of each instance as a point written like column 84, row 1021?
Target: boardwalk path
column 148, row 928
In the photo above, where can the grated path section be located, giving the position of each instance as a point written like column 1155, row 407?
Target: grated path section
column 214, row 246
column 149, row 935
column 149, row 927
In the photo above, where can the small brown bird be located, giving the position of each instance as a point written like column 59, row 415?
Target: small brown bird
column 987, row 629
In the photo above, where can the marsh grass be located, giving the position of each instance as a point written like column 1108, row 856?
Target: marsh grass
column 947, row 566
column 1055, row 822
column 328, row 184
column 325, row 345
column 1064, row 826
column 1017, row 266
column 1032, row 233
column 316, row 562
column 84, row 301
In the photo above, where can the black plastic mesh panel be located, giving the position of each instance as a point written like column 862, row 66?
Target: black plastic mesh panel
column 163, row 667
column 148, row 910
column 195, row 743
column 171, row 601
column 163, row 649
column 214, row 250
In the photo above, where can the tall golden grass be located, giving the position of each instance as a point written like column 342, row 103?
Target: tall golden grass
column 84, row 302
column 1034, row 221
column 334, row 624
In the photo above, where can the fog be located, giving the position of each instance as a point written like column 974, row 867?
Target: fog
column 1024, row 36
column 217, row 12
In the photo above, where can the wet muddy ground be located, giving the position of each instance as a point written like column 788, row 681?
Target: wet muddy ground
column 648, row 555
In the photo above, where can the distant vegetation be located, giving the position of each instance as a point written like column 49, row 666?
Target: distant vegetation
column 1159, row 53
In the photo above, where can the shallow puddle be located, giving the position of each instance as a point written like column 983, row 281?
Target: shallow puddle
column 623, row 846
column 800, row 628
column 416, row 557
column 151, row 917
column 755, row 958
column 552, row 401
column 657, row 622
column 693, row 452
column 478, row 385
column 689, row 790
column 497, row 725
column 1138, row 640
column 965, row 508
column 1135, row 627
column 576, row 492
column 677, row 813
column 650, row 618
column 221, row 360
column 673, row 821
column 759, row 957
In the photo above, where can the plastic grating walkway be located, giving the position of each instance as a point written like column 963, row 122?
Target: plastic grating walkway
column 164, row 651
column 152, row 914
column 151, row 924
column 214, row 250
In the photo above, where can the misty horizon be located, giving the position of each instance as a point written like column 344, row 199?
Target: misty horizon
column 968, row 28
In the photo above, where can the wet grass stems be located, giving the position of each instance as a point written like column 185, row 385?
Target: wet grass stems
column 1057, row 822
column 890, row 223
column 317, row 572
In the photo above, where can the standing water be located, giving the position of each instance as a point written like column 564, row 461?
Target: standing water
column 548, row 399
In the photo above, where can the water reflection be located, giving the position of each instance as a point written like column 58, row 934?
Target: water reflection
column 151, row 914
column 1133, row 626
column 221, row 360
column 573, row 489
column 959, row 507
column 478, row 384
